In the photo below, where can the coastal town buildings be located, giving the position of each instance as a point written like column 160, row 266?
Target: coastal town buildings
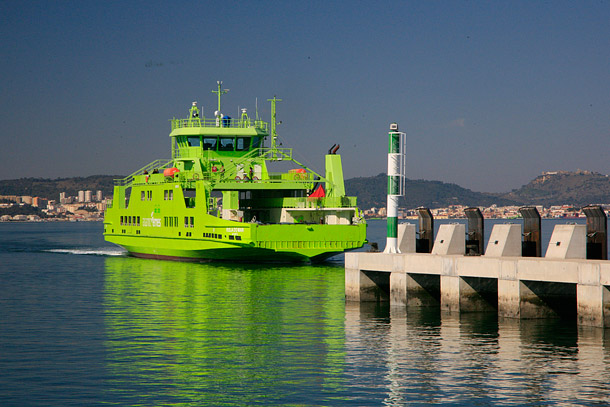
column 92, row 207
column 85, row 206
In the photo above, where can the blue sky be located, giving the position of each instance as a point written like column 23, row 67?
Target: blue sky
column 489, row 93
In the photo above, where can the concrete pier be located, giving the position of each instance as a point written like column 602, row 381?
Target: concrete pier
column 564, row 283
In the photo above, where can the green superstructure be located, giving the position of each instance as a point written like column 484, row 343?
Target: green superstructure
column 216, row 198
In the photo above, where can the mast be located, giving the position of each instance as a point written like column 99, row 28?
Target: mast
column 219, row 92
column 273, row 120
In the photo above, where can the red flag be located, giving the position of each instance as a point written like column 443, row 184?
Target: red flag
column 318, row 193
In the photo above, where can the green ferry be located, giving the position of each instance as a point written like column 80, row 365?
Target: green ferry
column 217, row 198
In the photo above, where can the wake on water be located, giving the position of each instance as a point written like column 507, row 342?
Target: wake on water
column 92, row 252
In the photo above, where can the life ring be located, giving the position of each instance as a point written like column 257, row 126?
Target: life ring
column 214, row 169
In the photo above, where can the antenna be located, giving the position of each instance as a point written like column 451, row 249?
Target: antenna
column 220, row 92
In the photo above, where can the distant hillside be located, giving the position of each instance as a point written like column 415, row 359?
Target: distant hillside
column 372, row 192
column 50, row 188
column 578, row 188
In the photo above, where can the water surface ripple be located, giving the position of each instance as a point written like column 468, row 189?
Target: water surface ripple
column 83, row 324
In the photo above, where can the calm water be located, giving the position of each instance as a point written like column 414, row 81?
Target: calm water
column 81, row 324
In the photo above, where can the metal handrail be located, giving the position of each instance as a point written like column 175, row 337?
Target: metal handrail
column 128, row 180
column 221, row 123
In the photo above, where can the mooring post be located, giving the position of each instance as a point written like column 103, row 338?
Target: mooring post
column 532, row 243
column 597, row 232
column 474, row 241
column 425, row 241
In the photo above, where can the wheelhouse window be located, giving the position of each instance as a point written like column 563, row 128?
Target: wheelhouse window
column 226, row 144
column 243, row 144
column 256, row 142
column 209, row 143
column 194, row 141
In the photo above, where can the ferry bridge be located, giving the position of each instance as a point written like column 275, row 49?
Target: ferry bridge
column 510, row 277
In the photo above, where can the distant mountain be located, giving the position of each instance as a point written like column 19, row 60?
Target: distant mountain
column 50, row 188
column 577, row 188
column 372, row 192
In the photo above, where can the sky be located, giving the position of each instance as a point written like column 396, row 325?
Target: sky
column 489, row 93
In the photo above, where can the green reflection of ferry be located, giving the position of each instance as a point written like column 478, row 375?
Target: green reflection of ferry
column 217, row 199
column 211, row 334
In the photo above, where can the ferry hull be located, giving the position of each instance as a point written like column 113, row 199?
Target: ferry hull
column 277, row 243
column 254, row 255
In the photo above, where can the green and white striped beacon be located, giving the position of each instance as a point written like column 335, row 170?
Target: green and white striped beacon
column 396, row 184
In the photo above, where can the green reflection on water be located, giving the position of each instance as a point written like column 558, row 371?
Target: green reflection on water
column 183, row 333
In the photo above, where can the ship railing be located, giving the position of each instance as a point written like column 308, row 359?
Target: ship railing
column 159, row 164
column 305, row 202
column 227, row 123
column 291, row 176
column 188, row 152
column 276, row 154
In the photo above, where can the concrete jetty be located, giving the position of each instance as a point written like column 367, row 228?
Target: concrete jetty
column 565, row 282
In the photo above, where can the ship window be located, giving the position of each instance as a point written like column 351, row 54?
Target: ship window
column 121, row 220
column 194, row 141
column 189, row 197
column 192, row 222
column 138, row 221
column 226, row 144
column 165, row 195
column 243, row 144
column 171, row 195
column 143, row 195
column 186, row 221
column 209, row 143
column 256, row 141
column 150, row 195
